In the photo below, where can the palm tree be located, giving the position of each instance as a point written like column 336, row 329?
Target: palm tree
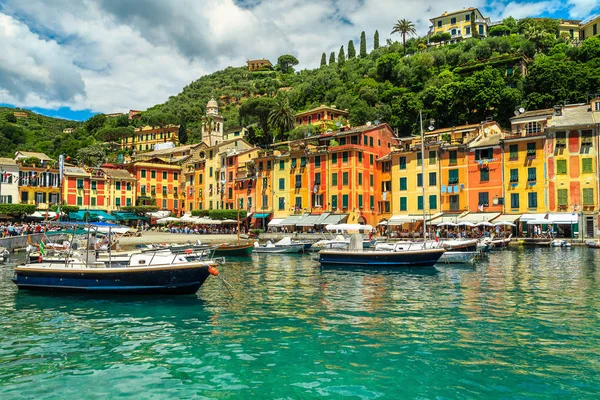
column 282, row 116
column 404, row 27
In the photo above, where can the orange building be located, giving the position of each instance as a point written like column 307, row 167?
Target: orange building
column 484, row 171
column 77, row 187
column 158, row 183
column 319, row 114
column 256, row 65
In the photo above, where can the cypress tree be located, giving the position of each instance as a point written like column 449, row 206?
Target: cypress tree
column 182, row 134
column 332, row 58
column 363, row 45
column 341, row 57
column 323, row 59
column 376, row 40
column 351, row 50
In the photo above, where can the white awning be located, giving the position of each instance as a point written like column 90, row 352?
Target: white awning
column 275, row 221
column 532, row 217
column 404, row 218
column 453, row 218
column 563, row 218
column 507, row 218
column 478, row 217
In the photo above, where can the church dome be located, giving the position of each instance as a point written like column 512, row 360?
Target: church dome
column 212, row 103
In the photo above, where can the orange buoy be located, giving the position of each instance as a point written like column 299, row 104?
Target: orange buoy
column 213, row 271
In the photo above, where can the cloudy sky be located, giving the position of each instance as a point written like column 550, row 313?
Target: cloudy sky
column 73, row 58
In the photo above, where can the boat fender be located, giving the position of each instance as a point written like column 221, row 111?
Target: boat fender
column 188, row 251
column 213, row 271
column 40, row 259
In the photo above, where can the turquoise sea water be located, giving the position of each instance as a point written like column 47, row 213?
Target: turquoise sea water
column 524, row 324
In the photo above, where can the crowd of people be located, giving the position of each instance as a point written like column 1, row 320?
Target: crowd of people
column 8, row 229
column 190, row 229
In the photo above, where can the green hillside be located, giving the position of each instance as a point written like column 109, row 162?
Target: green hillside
column 465, row 82
column 37, row 132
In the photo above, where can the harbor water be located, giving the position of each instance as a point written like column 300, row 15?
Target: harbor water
column 523, row 324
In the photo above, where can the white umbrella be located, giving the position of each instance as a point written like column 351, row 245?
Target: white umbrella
column 485, row 223
column 470, row 224
column 504, row 223
column 446, row 224
column 229, row 221
column 167, row 220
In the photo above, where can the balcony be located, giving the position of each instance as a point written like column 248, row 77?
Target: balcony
column 481, row 21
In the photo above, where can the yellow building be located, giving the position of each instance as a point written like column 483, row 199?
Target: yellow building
column 39, row 179
column 214, row 176
column 119, row 190
column 569, row 28
column 281, row 184
column 572, row 149
column 257, row 65
column 524, row 164
column 158, row 183
column 408, row 180
column 462, row 24
column 146, row 137
column 589, row 27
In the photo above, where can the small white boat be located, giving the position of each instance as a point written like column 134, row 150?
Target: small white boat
column 339, row 242
column 284, row 246
column 458, row 257
column 593, row 243
column 560, row 243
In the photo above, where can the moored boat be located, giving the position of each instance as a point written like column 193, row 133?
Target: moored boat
column 400, row 256
column 595, row 243
column 284, row 246
column 234, row 250
column 145, row 273
column 560, row 243
column 460, row 245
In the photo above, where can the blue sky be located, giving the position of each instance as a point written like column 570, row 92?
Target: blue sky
column 71, row 59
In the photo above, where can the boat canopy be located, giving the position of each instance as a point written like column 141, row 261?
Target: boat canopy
column 286, row 241
column 349, row 227
column 276, row 221
column 478, row 217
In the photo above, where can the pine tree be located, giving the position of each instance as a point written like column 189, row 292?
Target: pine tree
column 332, row 58
column 363, row 45
column 351, row 50
column 376, row 40
column 341, row 57
column 323, row 59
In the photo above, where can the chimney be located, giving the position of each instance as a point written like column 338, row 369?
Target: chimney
column 557, row 110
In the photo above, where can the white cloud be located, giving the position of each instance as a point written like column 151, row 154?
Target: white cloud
column 112, row 55
column 582, row 8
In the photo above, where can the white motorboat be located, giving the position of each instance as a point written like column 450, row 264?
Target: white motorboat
column 339, row 242
column 560, row 243
column 284, row 246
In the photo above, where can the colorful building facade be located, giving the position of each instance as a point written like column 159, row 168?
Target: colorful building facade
column 465, row 23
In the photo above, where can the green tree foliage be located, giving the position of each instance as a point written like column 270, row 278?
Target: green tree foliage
column 95, row 123
column 226, row 214
column 139, row 210
column 183, row 133
column 110, row 134
column 282, row 117
column 351, row 50
column 363, row 45
column 11, row 118
column 286, row 63
column 341, row 57
column 91, row 156
column 17, row 210
column 404, row 27
column 332, row 58
column 376, row 40
column 258, row 110
column 323, row 60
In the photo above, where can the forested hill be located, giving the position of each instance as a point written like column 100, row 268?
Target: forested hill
column 22, row 129
column 455, row 84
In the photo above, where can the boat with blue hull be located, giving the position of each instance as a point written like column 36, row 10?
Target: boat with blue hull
column 379, row 258
column 146, row 273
